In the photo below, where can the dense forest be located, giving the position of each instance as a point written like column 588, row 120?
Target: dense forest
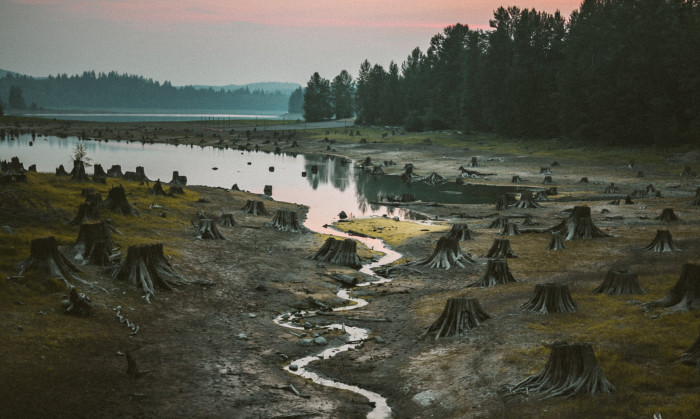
column 124, row 91
column 617, row 70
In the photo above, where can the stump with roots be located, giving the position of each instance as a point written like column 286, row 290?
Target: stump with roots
column 45, row 259
column 571, row 369
column 620, row 282
column 94, row 244
column 497, row 272
column 434, row 179
column 99, row 175
column 557, row 243
column 175, row 190
column 458, row 317
column 685, row 294
column 578, row 225
column 551, row 298
column 459, row 232
column 116, row 201
column 78, row 172
column 510, row 229
column 177, row 179
column 147, row 268
column 499, row 222
column 287, row 220
column 207, row 230
column 115, row 171
column 545, row 171
column 447, row 254
column 61, row 171
column 610, row 188
column 692, row 355
column 255, row 207
column 696, row 200
column 667, row 215
column 501, row 249
column 78, row 303
column 227, row 220
column 339, row 252
column 663, row 242
column 527, row 200
column 157, row 189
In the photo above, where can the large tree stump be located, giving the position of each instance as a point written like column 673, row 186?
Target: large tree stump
column 207, row 230
column 497, row 272
column 685, row 294
column 620, row 282
column 663, row 242
column 286, row 220
column 459, row 232
column 99, row 175
column 94, row 244
column 571, row 369
column 157, row 189
column 499, row 222
column 667, row 215
column 177, row 179
column 78, row 303
column 526, row 201
column 227, row 220
column 138, row 176
column 78, row 172
column 147, row 268
column 501, row 249
column 447, row 254
column 510, row 229
column 578, row 225
column 45, row 259
column 340, row 252
column 255, row 207
column 115, row 171
column 691, row 356
column 458, row 317
column 557, row 243
column 116, row 201
column 551, row 298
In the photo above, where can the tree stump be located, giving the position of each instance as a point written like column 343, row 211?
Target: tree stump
column 99, row 175
column 667, row 215
column 175, row 190
column 267, row 190
column 339, row 252
column 447, row 254
column 516, row 179
column 551, row 298
column 157, row 189
column 227, row 220
column 547, row 180
column 236, row 188
column 147, row 268
column 61, row 171
column 116, row 201
column 207, row 230
column 78, row 303
column 115, row 171
column 622, row 282
column 696, row 200
column 501, row 249
column 94, row 244
column 286, row 220
column 88, row 211
column 473, row 162
column 610, row 188
column 459, row 232
column 526, row 201
column 687, row 171
column 628, row 200
column 78, row 172
column 510, row 229
column 578, row 225
column 377, row 171
column 583, row 180
column 44, row 258
column 458, row 317
column 497, row 272
column 691, row 356
column 571, row 369
column 557, row 243
column 499, row 222
column 638, row 193
column 434, row 178
column 663, row 242
column 408, row 174
column 177, row 179
column 650, row 189
column 545, row 171
column 640, row 174
column 255, row 207
column 685, row 294
column 551, row 191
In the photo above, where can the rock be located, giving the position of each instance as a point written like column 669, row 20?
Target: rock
column 320, row 341
column 378, row 339
column 305, row 342
column 293, row 367
column 252, row 315
column 242, row 336
column 425, row 398
column 308, row 326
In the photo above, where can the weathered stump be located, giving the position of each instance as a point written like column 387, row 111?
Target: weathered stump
column 547, row 180
column 510, row 229
column 557, row 243
column 501, row 249
column 94, row 244
column 255, row 207
column 458, row 317
column 236, row 188
column 177, row 179
column 377, row 171
column 685, row 294
column 88, row 211
column 78, row 303
column 640, row 174
column 61, row 171
column 663, row 242
column 667, row 215
column 497, row 272
column 571, row 369
column 583, row 180
column 147, row 268
column 473, row 162
column 545, row 171
column 286, row 220
column 99, row 175
column 339, row 252
column 45, row 259
column 610, row 188
column 516, row 179
column 115, row 171
column 227, row 220
column 526, row 201
column 499, row 222
column 638, row 193
column 691, row 356
column 696, row 200
column 157, row 189
column 628, row 200
column 447, row 254
column 687, row 171
column 408, row 174
column 578, row 225
column 78, row 172
column 551, row 191
column 175, row 190
column 207, row 230
column 116, row 201
column 620, row 282
column 459, row 232
column 551, row 298
column 267, row 190
column 434, row 179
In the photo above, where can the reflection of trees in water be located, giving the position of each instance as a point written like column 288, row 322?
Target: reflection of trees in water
column 331, row 169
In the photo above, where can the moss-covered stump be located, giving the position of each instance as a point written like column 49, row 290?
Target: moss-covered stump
column 692, row 355
column 94, row 244
column 620, row 282
column 157, row 189
column 78, row 172
column 116, row 201
column 501, row 249
column 45, row 259
column 578, row 225
column 287, row 220
column 99, row 175
column 685, row 294
column 663, row 242
column 447, row 255
column 458, row 317
column 459, row 232
column 551, row 298
column 255, row 207
column 571, row 370
column 339, row 252
column 138, row 176
column 146, row 267
column 496, row 273
column 207, row 230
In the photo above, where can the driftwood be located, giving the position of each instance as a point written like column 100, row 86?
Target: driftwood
column 571, row 369
column 667, row 215
column 497, row 272
column 78, row 303
column 45, row 259
column 157, row 189
column 115, row 171
column 685, row 294
column 691, row 356
column 207, row 230
column 286, row 220
column 499, row 222
column 255, row 207
column 459, row 232
column 94, row 244
column 510, row 229
column 78, row 172
column 557, row 243
column 578, row 225
column 339, row 252
column 116, row 201
column 663, row 242
column 551, row 298
column 501, row 249
column 227, row 220
column 458, row 317
column 447, row 254
column 620, row 282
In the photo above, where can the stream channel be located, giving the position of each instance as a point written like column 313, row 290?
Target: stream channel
column 326, row 184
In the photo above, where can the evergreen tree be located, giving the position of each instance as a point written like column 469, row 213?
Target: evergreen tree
column 317, row 99
column 16, row 99
column 343, row 91
column 296, row 101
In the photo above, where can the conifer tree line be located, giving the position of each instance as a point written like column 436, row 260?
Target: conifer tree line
column 617, row 70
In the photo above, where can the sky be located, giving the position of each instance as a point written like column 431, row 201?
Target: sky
column 220, row 42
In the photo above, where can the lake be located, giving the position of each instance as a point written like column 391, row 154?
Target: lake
column 154, row 117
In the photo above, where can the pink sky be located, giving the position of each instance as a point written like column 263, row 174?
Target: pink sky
column 220, row 42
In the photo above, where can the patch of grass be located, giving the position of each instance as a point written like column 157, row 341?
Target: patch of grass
column 393, row 233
